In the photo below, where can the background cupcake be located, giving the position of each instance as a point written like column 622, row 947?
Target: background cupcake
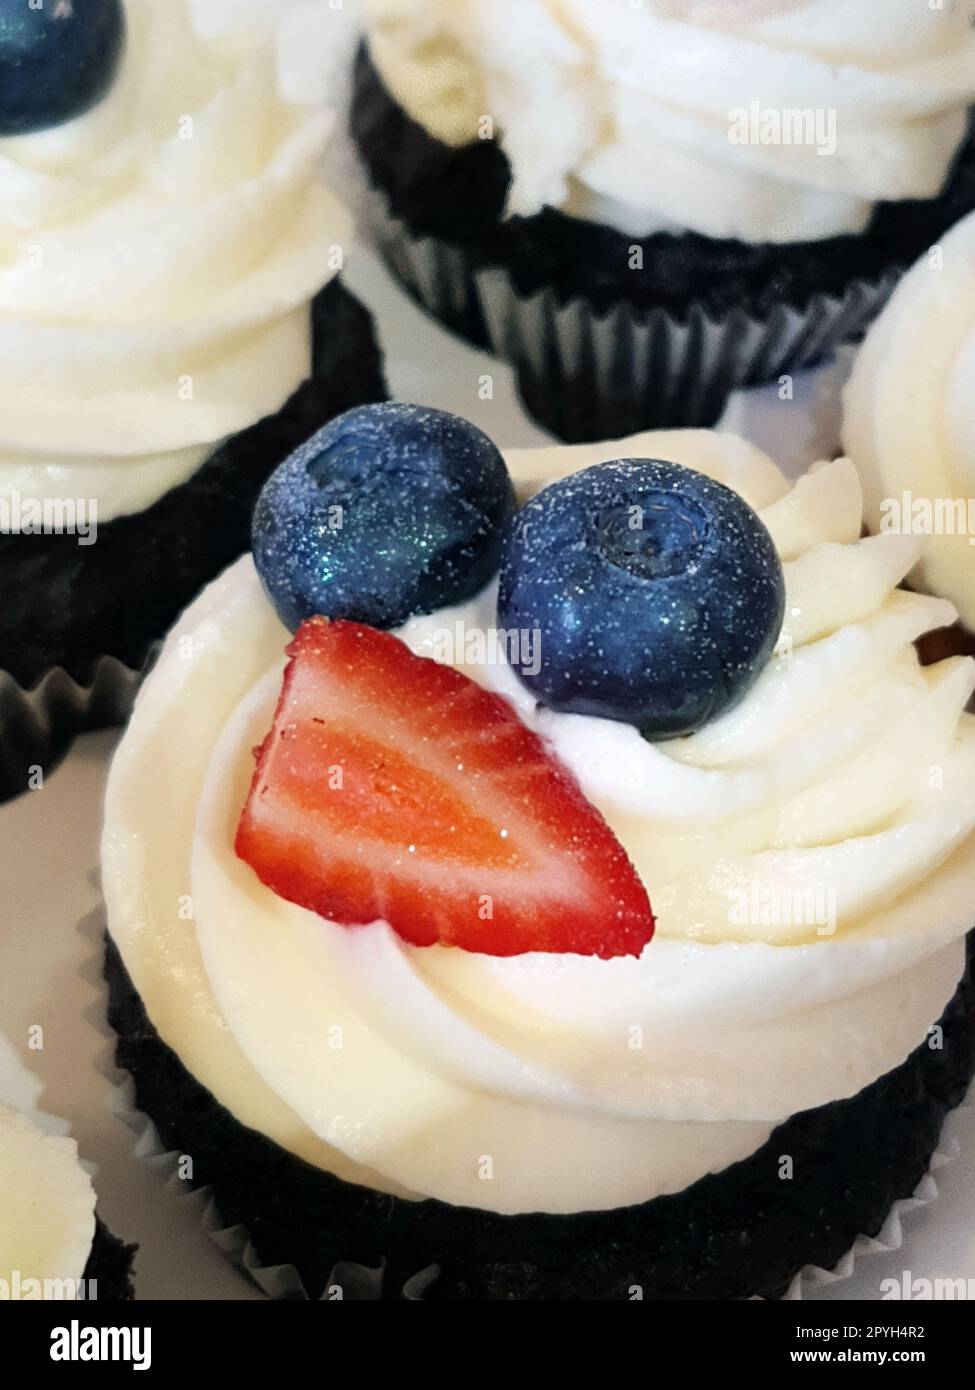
column 908, row 421
column 342, row 1090
column 613, row 197
column 172, row 326
column 52, row 1244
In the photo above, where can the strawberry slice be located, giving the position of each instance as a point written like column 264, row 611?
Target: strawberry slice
column 393, row 787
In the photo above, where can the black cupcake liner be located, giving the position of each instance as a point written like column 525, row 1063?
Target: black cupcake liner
column 300, row 1232
column 599, row 349
column 38, row 725
column 79, row 625
column 585, row 373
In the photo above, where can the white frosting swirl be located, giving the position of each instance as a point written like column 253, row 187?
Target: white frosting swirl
column 157, row 259
column 908, row 421
column 848, row 772
column 47, row 1213
column 654, row 116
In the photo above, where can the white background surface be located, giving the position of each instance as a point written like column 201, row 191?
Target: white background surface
column 48, row 861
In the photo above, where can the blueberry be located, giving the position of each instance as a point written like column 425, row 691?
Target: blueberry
column 389, row 511
column 57, row 61
column 657, row 594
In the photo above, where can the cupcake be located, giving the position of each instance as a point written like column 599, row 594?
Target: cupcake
column 644, row 207
column 52, row 1244
column 907, row 422
column 595, row 931
column 172, row 324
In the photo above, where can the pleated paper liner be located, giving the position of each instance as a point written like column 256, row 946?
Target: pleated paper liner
column 208, row 519
column 38, row 725
column 585, row 375
column 387, row 1277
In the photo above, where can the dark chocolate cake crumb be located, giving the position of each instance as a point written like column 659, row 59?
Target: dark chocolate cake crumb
column 458, row 194
column 65, row 606
column 731, row 1235
column 110, row 1266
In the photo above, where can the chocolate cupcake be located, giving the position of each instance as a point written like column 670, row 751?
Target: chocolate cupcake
column 173, row 323
column 52, row 1244
column 421, row 1015
column 645, row 207
column 907, row 424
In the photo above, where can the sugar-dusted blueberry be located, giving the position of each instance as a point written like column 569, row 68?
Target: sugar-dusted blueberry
column 657, row 594
column 389, row 511
column 56, row 60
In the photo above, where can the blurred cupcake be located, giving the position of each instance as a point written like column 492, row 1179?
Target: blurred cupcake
column 908, row 424
column 171, row 327
column 52, row 1245
column 422, row 1017
column 645, row 207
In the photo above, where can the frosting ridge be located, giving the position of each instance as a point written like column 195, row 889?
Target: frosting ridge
column 907, row 417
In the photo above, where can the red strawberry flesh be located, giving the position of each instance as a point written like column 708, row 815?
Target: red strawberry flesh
column 392, row 787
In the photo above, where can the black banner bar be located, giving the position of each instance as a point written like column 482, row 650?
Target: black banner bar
column 146, row 1338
